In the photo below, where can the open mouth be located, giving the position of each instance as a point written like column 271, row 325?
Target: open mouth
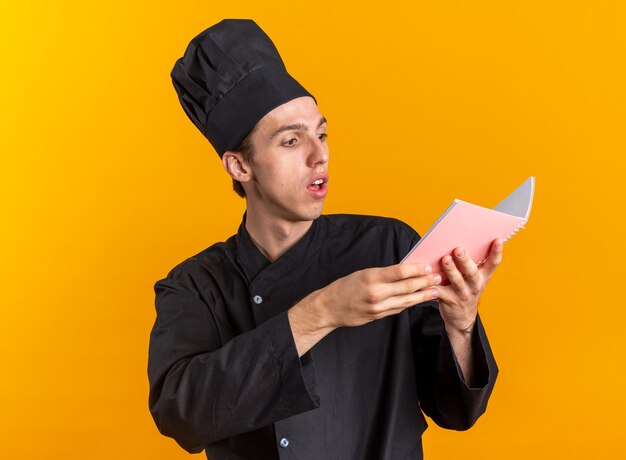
column 317, row 184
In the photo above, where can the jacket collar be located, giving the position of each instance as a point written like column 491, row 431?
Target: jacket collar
column 254, row 262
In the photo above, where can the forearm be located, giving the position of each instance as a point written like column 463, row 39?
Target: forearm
column 451, row 397
column 461, row 342
column 307, row 323
column 359, row 298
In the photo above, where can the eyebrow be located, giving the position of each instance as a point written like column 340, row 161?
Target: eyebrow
column 295, row 126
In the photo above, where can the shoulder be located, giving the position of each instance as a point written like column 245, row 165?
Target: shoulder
column 200, row 266
column 359, row 223
column 382, row 240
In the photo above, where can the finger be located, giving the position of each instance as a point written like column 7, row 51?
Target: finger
column 400, row 302
column 409, row 285
column 447, row 294
column 399, row 272
column 494, row 258
column 455, row 277
column 379, row 292
column 468, row 268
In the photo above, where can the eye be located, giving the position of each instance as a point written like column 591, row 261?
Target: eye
column 289, row 142
column 323, row 137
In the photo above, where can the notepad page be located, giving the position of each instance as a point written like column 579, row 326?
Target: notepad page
column 520, row 201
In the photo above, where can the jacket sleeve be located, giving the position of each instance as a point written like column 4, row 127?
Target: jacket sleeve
column 444, row 395
column 203, row 390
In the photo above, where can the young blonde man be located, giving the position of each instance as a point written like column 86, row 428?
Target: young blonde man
column 301, row 336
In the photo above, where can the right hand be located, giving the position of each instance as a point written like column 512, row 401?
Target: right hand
column 373, row 293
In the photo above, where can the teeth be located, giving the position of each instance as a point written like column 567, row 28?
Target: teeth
column 318, row 182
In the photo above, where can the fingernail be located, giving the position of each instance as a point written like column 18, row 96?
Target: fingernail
column 428, row 269
column 460, row 253
column 447, row 260
column 434, row 294
column 499, row 245
column 437, row 279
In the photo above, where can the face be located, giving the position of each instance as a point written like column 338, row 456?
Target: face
column 289, row 172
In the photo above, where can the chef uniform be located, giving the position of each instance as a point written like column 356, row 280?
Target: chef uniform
column 224, row 371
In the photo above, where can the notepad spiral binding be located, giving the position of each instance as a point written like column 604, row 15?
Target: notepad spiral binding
column 517, row 229
column 504, row 240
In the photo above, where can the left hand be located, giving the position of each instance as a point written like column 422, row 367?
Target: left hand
column 458, row 301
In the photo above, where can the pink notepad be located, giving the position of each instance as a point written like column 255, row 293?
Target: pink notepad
column 474, row 228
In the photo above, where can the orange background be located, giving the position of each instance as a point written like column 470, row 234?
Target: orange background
column 105, row 185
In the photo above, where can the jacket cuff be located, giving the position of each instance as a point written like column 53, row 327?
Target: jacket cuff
column 480, row 367
column 485, row 372
column 297, row 373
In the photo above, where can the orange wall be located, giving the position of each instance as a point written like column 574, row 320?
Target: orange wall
column 105, row 185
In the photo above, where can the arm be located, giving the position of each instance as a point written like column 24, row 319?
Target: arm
column 452, row 354
column 363, row 296
column 458, row 302
column 444, row 394
column 203, row 390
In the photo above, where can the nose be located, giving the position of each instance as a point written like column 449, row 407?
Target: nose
column 318, row 153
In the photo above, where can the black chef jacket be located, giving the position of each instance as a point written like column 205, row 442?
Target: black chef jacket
column 224, row 370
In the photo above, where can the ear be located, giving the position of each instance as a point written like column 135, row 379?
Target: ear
column 236, row 166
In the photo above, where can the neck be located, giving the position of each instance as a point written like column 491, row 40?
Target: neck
column 274, row 236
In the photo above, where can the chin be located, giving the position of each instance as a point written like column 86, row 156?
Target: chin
column 310, row 214
column 315, row 215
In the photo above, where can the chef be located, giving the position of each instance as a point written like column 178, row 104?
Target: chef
column 301, row 336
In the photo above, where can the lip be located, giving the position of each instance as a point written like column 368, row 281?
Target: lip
column 323, row 189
